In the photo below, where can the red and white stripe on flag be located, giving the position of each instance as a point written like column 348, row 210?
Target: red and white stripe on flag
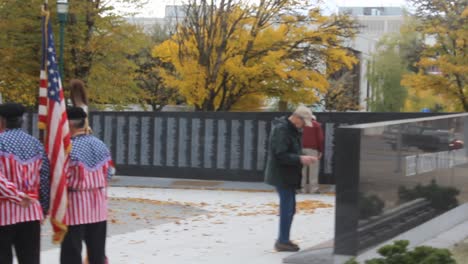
column 43, row 101
column 53, row 119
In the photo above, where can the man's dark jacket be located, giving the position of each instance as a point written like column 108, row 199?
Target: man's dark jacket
column 284, row 168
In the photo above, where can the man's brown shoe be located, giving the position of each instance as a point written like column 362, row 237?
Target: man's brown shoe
column 293, row 244
column 286, row 247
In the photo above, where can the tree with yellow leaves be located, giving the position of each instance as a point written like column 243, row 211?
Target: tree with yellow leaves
column 98, row 45
column 228, row 52
column 20, row 45
column 443, row 66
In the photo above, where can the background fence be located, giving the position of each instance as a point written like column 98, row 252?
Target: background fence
column 200, row 145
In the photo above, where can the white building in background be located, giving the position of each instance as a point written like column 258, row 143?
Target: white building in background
column 172, row 14
column 147, row 23
column 376, row 22
column 175, row 12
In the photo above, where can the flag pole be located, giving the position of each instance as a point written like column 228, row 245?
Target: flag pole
column 44, row 9
column 57, row 139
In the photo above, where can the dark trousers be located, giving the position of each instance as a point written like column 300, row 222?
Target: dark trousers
column 287, row 210
column 25, row 238
column 94, row 236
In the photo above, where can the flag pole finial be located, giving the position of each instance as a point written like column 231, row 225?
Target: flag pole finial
column 45, row 9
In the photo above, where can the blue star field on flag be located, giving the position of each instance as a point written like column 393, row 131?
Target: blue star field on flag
column 53, row 74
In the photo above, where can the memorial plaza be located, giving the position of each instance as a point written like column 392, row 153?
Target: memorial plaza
column 178, row 226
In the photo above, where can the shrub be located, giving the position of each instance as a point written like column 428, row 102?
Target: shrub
column 397, row 253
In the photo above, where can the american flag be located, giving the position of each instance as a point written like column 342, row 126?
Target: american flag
column 53, row 119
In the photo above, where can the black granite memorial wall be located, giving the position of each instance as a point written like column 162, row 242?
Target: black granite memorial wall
column 396, row 175
column 200, row 145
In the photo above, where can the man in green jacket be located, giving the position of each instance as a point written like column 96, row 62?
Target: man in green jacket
column 284, row 168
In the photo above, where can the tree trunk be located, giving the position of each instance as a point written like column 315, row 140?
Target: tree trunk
column 207, row 106
column 83, row 56
column 282, row 106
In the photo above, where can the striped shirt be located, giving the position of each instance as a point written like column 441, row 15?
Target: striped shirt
column 89, row 170
column 24, row 170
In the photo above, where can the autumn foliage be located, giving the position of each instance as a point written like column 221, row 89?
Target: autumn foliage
column 230, row 54
column 98, row 45
column 443, row 66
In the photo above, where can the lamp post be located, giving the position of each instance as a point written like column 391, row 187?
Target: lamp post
column 62, row 11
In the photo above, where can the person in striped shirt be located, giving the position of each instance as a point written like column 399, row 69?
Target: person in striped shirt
column 89, row 170
column 24, row 188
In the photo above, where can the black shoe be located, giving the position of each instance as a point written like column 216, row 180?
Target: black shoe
column 286, row 247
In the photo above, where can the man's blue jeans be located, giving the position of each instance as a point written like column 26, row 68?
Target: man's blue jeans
column 287, row 209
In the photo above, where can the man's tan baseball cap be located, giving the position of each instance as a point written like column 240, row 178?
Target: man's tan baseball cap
column 305, row 114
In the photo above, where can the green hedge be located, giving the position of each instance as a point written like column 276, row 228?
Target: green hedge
column 398, row 253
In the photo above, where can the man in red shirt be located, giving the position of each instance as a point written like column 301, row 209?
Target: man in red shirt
column 312, row 144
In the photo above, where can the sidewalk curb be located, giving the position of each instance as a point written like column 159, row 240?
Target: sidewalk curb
column 188, row 184
column 192, row 188
column 191, row 184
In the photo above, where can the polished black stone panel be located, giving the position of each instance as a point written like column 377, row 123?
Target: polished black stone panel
column 396, row 175
column 347, row 213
